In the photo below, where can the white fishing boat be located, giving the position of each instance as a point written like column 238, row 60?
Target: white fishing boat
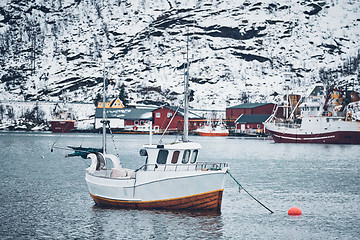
column 171, row 178
column 323, row 120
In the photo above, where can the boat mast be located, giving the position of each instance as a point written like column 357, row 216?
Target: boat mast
column 186, row 93
column 104, row 115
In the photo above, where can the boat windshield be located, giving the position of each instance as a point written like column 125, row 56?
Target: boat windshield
column 194, row 156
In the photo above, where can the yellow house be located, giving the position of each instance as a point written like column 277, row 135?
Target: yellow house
column 115, row 103
column 337, row 96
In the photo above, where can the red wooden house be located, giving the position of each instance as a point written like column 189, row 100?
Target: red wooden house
column 232, row 113
column 162, row 117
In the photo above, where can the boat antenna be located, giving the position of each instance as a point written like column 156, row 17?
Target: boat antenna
column 104, row 114
column 186, row 93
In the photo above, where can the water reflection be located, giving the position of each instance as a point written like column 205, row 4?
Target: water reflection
column 156, row 224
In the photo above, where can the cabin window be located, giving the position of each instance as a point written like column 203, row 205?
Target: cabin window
column 175, row 157
column 169, row 115
column 186, row 156
column 157, row 115
column 141, row 122
column 162, row 156
column 194, row 156
column 136, row 122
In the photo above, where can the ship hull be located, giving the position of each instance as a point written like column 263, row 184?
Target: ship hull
column 336, row 137
column 188, row 190
column 62, row 126
column 213, row 134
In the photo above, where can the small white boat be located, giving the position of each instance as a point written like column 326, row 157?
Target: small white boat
column 217, row 130
column 171, row 178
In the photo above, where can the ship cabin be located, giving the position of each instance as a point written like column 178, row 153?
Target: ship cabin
column 311, row 109
column 179, row 156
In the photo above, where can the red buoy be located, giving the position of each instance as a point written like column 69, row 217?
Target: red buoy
column 294, row 211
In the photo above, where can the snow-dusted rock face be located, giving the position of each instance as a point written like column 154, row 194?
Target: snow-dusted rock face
column 239, row 50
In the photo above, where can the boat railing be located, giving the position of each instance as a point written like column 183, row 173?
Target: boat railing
column 200, row 166
column 288, row 125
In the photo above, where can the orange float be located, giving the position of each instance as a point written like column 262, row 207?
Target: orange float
column 294, row 211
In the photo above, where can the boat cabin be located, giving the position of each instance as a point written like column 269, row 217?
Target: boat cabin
column 178, row 156
column 171, row 157
column 309, row 109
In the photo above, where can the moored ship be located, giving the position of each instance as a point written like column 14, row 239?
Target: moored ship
column 326, row 117
column 63, row 120
column 213, row 130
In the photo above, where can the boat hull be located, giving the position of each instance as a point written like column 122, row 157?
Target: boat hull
column 179, row 190
column 213, row 134
column 205, row 201
column 336, row 137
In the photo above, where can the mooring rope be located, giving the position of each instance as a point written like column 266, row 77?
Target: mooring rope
column 112, row 138
column 241, row 187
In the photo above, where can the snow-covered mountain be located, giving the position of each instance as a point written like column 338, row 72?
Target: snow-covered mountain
column 239, row 50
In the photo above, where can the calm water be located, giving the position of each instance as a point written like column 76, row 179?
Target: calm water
column 44, row 195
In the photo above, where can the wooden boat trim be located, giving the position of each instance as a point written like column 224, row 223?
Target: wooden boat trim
column 203, row 201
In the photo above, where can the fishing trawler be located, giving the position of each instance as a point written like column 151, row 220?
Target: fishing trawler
column 171, row 178
column 63, row 119
column 326, row 117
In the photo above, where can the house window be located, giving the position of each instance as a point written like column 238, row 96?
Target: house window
column 175, row 157
column 136, row 122
column 157, row 115
column 162, row 156
column 186, row 156
column 194, row 156
column 169, row 115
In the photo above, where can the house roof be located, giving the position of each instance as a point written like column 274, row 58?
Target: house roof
column 114, row 103
column 125, row 113
column 253, row 118
column 250, row 105
column 181, row 112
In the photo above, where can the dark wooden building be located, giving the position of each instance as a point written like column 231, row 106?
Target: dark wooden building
column 251, row 123
column 233, row 113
